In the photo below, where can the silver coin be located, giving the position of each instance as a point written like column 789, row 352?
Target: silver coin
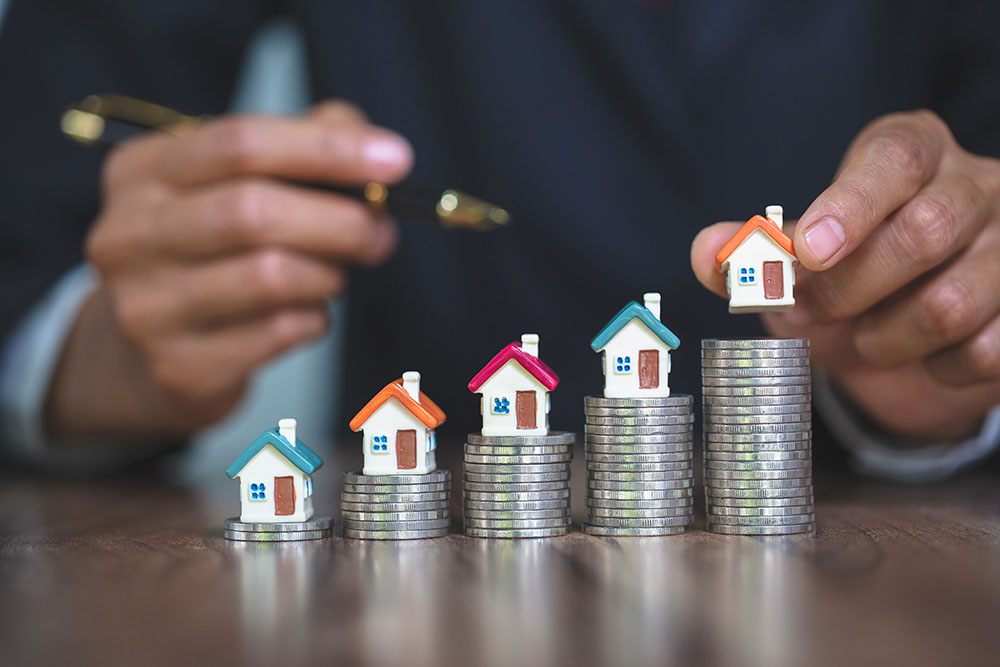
column 512, row 524
column 760, row 503
column 526, row 506
column 526, row 459
column 682, row 510
column 674, row 400
column 514, row 486
column 716, row 402
column 787, row 510
column 519, row 533
column 610, row 531
column 515, row 496
column 786, row 418
column 404, row 488
column 787, row 427
column 750, row 457
column 719, row 486
column 591, row 411
column 553, row 438
column 661, row 466
column 625, row 467
column 785, row 520
column 625, row 457
column 652, row 485
column 632, row 476
column 517, row 515
column 642, row 420
column 757, row 383
column 655, row 522
column 395, row 507
column 598, row 429
column 316, row 523
column 500, row 478
column 670, row 499
column 428, row 524
column 421, row 534
column 515, row 469
column 724, row 476
column 668, row 452
column 759, row 493
column 759, row 353
column 761, row 530
column 714, row 439
column 753, row 344
column 783, row 373
column 709, row 391
column 517, row 450
column 277, row 536
column 635, row 495
column 757, row 410
column 774, row 362
column 393, row 497
column 753, row 466
column 433, row 477
column 351, row 515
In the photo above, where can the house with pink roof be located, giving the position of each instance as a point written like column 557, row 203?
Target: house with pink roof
column 515, row 388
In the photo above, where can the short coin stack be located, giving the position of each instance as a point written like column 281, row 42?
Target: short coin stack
column 640, row 475
column 396, row 507
column 292, row 531
column 517, row 486
column 758, row 436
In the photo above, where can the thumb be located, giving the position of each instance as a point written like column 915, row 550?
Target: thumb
column 703, row 251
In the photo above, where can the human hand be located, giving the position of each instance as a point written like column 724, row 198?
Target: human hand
column 899, row 283
column 211, row 264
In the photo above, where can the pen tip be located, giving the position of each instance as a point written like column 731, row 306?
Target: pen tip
column 458, row 209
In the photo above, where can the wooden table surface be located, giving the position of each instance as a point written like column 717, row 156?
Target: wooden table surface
column 134, row 570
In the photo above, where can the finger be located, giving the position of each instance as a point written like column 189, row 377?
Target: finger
column 830, row 344
column 293, row 148
column 938, row 222
column 703, row 250
column 207, row 364
column 259, row 213
column 974, row 361
column 946, row 310
column 217, row 293
column 885, row 166
column 338, row 112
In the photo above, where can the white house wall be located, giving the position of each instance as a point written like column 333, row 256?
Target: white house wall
column 390, row 417
column 631, row 338
column 267, row 464
column 752, row 253
column 506, row 382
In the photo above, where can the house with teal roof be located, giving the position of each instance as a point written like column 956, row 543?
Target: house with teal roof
column 635, row 347
column 275, row 474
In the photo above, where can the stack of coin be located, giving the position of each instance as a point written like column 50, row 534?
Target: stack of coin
column 396, row 507
column 292, row 531
column 758, row 436
column 517, row 486
column 640, row 475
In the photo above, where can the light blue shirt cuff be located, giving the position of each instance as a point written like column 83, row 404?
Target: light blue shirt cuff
column 893, row 459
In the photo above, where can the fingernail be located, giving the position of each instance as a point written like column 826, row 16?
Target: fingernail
column 385, row 150
column 825, row 239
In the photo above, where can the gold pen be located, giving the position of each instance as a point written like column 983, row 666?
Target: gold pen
column 109, row 120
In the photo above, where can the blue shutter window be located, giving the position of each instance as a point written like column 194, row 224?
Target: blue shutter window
column 258, row 491
column 380, row 444
column 501, row 405
column 748, row 276
column 623, row 365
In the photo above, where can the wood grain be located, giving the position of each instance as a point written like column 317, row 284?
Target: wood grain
column 134, row 570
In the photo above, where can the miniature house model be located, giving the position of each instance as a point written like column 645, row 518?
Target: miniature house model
column 515, row 388
column 759, row 262
column 636, row 348
column 275, row 474
column 399, row 428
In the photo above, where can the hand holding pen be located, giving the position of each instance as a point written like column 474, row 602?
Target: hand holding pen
column 214, row 258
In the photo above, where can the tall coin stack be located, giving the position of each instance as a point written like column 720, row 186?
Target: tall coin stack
column 517, row 486
column 758, row 436
column 640, row 475
column 396, row 507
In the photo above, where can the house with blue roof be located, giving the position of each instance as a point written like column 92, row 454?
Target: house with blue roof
column 636, row 351
column 275, row 474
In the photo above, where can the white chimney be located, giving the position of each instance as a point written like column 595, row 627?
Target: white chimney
column 652, row 302
column 411, row 383
column 776, row 215
column 529, row 343
column 286, row 428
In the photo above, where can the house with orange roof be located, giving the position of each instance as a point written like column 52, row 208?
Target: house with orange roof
column 759, row 262
column 399, row 429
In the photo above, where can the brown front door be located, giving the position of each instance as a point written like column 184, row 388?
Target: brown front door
column 284, row 496
column 774, row 280
column 527, row 408
column 406, row 449
column 649, row 369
